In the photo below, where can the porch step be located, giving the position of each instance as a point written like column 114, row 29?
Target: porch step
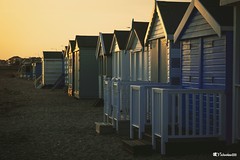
column 104, row 128
column 147, row 137
column 138, row 147
column 191, row 146
column 148, row 128
column 124, row 128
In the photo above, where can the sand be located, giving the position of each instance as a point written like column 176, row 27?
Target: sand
column 40, row 124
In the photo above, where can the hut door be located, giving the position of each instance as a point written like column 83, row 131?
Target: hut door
column 154, row 51
column 163, row 76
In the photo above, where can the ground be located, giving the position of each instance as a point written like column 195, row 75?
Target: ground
column 40, row 124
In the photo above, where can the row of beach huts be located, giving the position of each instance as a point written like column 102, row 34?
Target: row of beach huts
column 175, row 78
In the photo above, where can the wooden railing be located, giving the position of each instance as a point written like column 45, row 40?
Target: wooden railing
column 140, row 106
column 107, row 99
column 187, row 113
column 120, row 100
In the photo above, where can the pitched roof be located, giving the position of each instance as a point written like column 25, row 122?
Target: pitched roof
column 170, row 14
column 86, row 41
column 212, row 12
column 52, row 55
column 104, row 42
column 141, row 29
column 107, row 40
column 122, row 38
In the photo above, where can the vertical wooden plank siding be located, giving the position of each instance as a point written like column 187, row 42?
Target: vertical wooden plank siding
column 88, row 85
column 133, row 66
column 76, row 74
column 163, row 64
column 145, row 61
column 109, row 66
column 154, row 51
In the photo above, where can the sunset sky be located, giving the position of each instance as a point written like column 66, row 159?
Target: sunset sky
column 30, row 26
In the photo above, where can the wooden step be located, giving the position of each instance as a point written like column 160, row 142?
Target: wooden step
column 148, row 128
column 147, row 137
column 138, row 147
column 124, row 128
column 104, row 128
column 186, row 146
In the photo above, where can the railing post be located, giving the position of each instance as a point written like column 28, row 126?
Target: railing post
column 109, row 97
column 222, row 129
column 164, row 120
column 119, row 96
column 112, row 103
column 142, row 115
column 153, row 119
column 131, row 112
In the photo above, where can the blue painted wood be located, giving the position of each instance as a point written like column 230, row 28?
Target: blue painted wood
column 190, row 63
column 214, row 59
column 157, row 30
column 197, row 27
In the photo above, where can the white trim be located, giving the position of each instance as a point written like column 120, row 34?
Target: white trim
column 213, row 23
column 208, row 17
column 183, row 21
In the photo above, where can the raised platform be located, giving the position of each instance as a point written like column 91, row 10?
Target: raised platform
column 124, row 128
column 138, row 147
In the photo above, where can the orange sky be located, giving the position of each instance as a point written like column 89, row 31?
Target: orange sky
column 30, row 26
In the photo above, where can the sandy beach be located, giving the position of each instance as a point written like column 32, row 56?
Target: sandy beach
column 40, row 124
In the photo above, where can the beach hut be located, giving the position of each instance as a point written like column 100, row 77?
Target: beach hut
column 139, row 58
column 162, row 61
column 198, row 110
column 164, row 53
column 236, row 68
column 66, row 57
column 26, row 70
column 207, row 49
column 70, row 53
column 85, row 67
column 120, row 56
column 52, row 68
column 120, row 74
column 104, row 59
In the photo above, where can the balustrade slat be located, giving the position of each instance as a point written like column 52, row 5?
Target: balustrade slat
column 194, row 114
column 207, row 113
column 187, row 113
column 214, row 115
column 180, row 113
column 201, row 114
column 173, row 100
